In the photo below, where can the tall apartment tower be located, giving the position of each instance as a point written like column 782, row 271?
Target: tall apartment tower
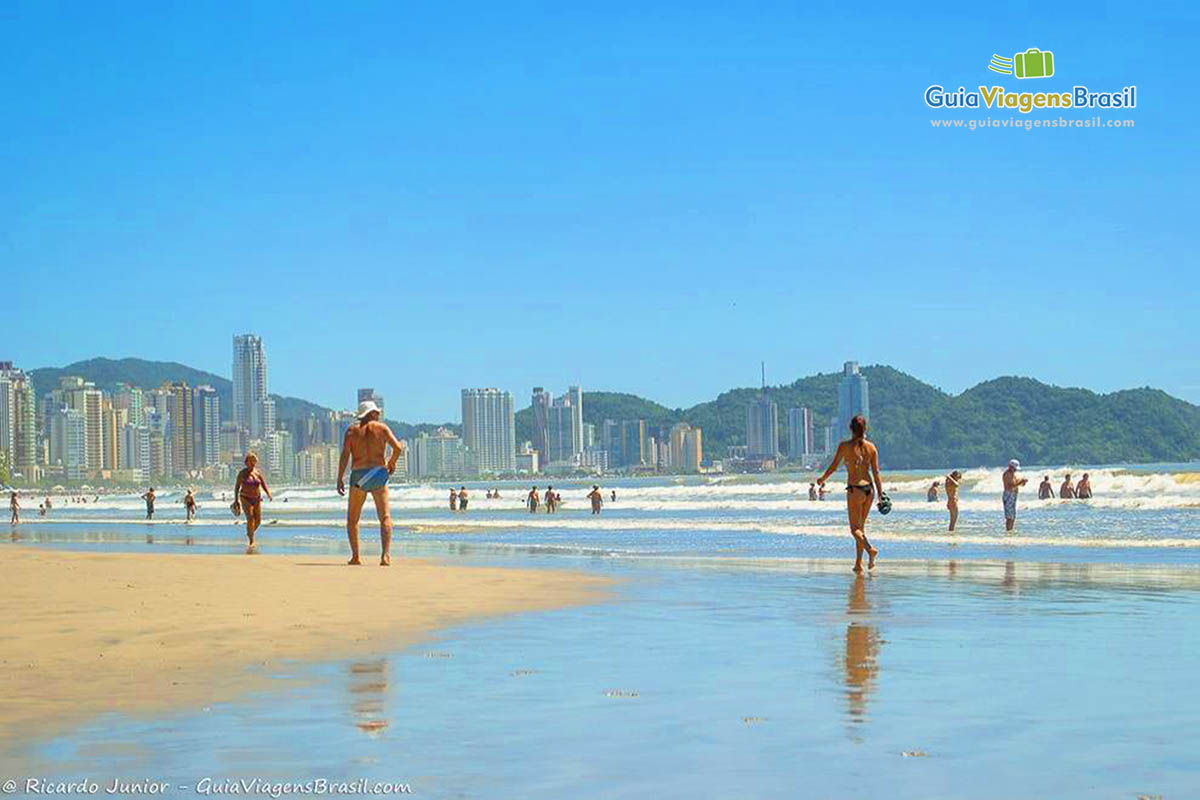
column 252, row 407
column 489, row 430
column 541, row 403
column 853, row 399
column 800, row 433
column 206, row 405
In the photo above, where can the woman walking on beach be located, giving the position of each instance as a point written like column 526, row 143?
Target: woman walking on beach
column 249, row 491
column 862, row 466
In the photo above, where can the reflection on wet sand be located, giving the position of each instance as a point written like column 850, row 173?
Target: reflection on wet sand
column 862, row 652
column 368, row 686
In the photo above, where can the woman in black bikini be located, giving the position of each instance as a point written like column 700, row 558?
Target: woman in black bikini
column 249, row 488
column 862, row 470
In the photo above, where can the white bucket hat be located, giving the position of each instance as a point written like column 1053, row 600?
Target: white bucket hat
column 1014, row 464
column 366, row 407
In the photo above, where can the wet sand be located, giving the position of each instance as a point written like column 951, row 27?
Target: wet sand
column 87, row 633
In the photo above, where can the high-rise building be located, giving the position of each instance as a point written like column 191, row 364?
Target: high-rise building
column 800, row 433
column 574, row 398
column 18, row 421
column 253, row 408
column 129, row 398
column 489, row 432
column 625, row 442
column 762, row 428
column 541, row 402
column 370, row 394
column 589, row 435
column 68, row 442
column 183, row 428
column 206, row 404
column 693, row 450
column 438, row 456
column 110, row 429
column 853, row 398
column 133, row 451
column 281, row 455
column 83, row 396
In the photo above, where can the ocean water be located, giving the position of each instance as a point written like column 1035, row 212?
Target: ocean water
column 738, row 657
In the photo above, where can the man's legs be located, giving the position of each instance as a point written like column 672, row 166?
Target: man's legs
column 385, row 524
column 353, row 512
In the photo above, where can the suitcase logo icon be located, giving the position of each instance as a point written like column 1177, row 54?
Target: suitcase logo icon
column 1033, row 63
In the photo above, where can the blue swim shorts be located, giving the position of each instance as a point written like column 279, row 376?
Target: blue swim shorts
column 369, row 479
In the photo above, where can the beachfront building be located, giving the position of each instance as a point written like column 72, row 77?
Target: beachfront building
column 133, row 450
column 489, row 431
column 68, row 442
column 686, row 448
column 18, row 422
column 206, row 403
column 181, row 408
column 253, row 408
column 800, row 433
column 625, row 442
column 281, row 455
column 438, row 456
column 130, row 400
column 762, row 428
column 853, row 399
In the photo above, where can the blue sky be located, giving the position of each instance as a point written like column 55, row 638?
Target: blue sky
column 429, row 196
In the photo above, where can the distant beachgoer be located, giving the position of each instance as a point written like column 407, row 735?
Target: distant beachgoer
column 364, row 449
column 149, row 498
column 189, row 503
column 953, row 481
column 496, row 494
column 41, row 509
column 1045, row 489
column 862, row 465
column 533, row 500
column 14, row 506
column 821, row 492
column 812, row 491
column 248, row 489
column 551, row 500
column 453, row 499
column 614, row 495
column 1083, row 490
column 932, row 495
column 49, row 505
column 596, row 498
column 462, row 498
column 1067, row 490
column 1012, row 485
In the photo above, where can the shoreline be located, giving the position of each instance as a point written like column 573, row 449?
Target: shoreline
column 139, row 633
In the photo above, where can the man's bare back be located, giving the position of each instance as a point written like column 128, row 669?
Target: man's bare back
column 368, row 443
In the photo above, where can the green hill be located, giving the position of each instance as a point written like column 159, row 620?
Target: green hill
column 915, row 425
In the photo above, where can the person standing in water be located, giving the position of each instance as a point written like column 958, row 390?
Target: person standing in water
column 862, row 469
column 551, row 502
column 952, row 483
column 596, row 498
column 462, row 498
column 189, row 505
column 1083, row 490
column 614, row 495
column 812, row 491
column 248, row 491
column 932, row 495
column 1067, row 490
column 14, row 508
column 1045, row 489
column 364, row 449
column 1012, row 485
column 533, row 500
column 149, row 498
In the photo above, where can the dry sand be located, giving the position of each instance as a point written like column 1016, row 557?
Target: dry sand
column 86, row 633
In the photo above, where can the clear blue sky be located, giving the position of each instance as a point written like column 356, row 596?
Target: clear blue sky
column 422, row 197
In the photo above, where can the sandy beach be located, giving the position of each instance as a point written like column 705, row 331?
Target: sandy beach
column 89, row 633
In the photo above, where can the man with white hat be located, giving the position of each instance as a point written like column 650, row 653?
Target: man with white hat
column 367, row 442
column 1012, row 485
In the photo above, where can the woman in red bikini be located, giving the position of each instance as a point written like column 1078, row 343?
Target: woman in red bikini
column 862, row 465
column 249, row 491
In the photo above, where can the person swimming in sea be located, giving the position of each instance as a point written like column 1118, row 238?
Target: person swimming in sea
column 1083, row 490
column 1067, row 490
column 863, row 482
column 248, row 489
column 932, row 495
